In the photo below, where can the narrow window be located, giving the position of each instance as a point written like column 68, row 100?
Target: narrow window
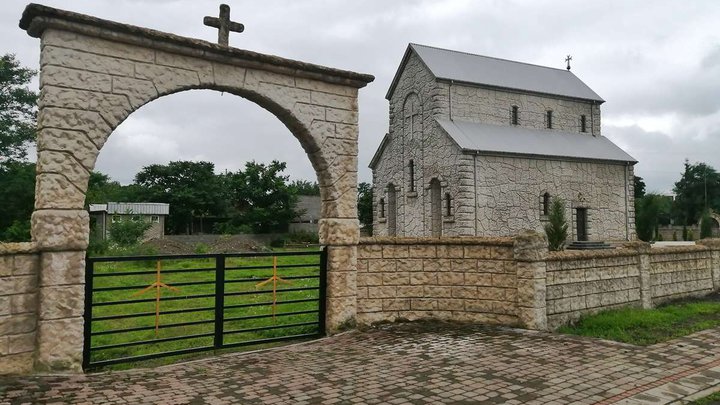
column 583, row 124
column 448, row 204
column 514, row 116
column 546, row 204
column 411, row 167
column 382, row 208
column 549, row 119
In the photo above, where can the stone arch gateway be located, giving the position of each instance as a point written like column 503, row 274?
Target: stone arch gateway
column 94, row 73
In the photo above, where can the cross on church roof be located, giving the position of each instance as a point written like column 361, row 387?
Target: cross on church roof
column 223, row 24
column 568, row 59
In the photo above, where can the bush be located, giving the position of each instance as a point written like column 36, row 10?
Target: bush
column 18, row 231
column 685, row 233
column 706, row 226
column 303, row 237
column 128, row 231
column 202, row 249
column 277, row 243
column 690, row 235
column 97, row 246
column 227, row 228
column 556, row 229
column 675, row 236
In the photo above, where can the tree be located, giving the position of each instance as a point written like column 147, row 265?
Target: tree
column 261, row 198
column 639, row 186
column 102, row 189
column 649, row 210
column 17, row 196
column 304, row 187
column 191, row 188
column 706, row 225
column 364, row 203
column 557, row 227
column 128, row 231
column 697, row 190
column 17, row 109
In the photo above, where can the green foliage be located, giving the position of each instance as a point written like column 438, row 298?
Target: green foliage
column 697, row 190
column 685, row 233
column 304, row 187
column 277, row 243
column 260, row 197
column 101, row 189
column 690, row 234
column 227, row 228
column 17, row 110
column 128, row 231
column 17, row 196
column 648, row 211
column 639, row 187
column 649, row 326
column 202, row 248
column 674, row 238
column 303, row 237
column 365, row 201
column 706, row 225
column 557, row 227
column 191, row 188
column 97, row 246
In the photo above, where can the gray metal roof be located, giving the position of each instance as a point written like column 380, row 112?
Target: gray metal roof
column 484, row 70
column 487, row 138
column 132, row 208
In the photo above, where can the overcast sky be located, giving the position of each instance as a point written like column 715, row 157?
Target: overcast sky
column 656, row 63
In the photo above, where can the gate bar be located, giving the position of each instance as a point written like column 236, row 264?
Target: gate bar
column 219, row 301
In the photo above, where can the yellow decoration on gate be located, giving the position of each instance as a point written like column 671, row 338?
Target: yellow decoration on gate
column 157, row 285
column 275, row 279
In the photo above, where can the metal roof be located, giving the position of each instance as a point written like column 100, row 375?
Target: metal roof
column 132, row 208
column 464, row 67
column 513, row 140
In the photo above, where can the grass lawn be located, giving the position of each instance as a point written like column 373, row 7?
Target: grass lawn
column 713, row 399
column 244, row 319
column 649, row 326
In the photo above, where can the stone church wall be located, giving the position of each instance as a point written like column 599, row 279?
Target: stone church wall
column 19, row 265
column 510, row 189
column 433, row 156
column 478, row 104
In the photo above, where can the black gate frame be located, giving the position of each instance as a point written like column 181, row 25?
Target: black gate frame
column 219, row 314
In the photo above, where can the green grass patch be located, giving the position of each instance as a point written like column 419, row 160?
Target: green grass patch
column 713, row 399
column 649, row 326
column 248, row 307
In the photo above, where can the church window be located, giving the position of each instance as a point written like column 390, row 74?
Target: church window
column 448, row 204
column 382, row 208
column 549, row 119
column 411, row 169
column 546, row 204
column 583, row 124
column 514, row 115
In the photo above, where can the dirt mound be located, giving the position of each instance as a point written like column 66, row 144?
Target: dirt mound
column 232, row 244
column 168, row 247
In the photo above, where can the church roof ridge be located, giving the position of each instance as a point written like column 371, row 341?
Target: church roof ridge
column 490, row 57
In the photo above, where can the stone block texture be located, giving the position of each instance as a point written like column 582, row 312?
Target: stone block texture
column 457, row 279
column 18, row 309
column 481, row 194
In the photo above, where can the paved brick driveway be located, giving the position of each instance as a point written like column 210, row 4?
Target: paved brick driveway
column 408, row 364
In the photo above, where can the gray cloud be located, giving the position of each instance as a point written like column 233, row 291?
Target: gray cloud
column 648, row 62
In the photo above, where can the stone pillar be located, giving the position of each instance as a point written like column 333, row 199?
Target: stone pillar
column 643, row 250
column 714, row 246
column 341, row 236
column 530, row 254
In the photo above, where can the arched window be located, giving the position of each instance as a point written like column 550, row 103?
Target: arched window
column 583, row 123
column 514, row 115
column 411, row 169
column 381, row 207
column 435, row 208
column 392, row 210
column 448, row 205
column 549, row 119
column 546, row 204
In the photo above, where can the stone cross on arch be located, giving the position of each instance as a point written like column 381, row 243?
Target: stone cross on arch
column 223, row 24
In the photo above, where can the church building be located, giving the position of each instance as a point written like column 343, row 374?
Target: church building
column 480, row 146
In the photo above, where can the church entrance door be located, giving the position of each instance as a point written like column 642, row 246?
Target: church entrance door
column 581, row 222
column 435, row 208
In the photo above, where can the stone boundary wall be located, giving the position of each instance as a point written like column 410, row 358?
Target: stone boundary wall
column 19, row 268
column 581, row 283
column 461, row 279
column 680, row 272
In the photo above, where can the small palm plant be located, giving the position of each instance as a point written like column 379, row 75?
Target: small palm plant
column 557, row 228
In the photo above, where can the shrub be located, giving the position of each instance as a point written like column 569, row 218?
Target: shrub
column 303, row 237
column 556, row 229
column 685, row 233
column 675, row 236
column 202, row 248
column 690, row 235
column 128, row 231
column 277, row 243
column 706, row 226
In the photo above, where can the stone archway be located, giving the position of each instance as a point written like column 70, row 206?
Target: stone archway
column 94, row 73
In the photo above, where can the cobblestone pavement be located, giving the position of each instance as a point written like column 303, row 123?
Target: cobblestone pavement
column 407, row 364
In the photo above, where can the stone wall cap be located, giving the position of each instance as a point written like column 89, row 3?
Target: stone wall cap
column 589, row 254
column 710, row 242
column 678, row 249
column 37, row 17
column 11, row 248
column 469, row 240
